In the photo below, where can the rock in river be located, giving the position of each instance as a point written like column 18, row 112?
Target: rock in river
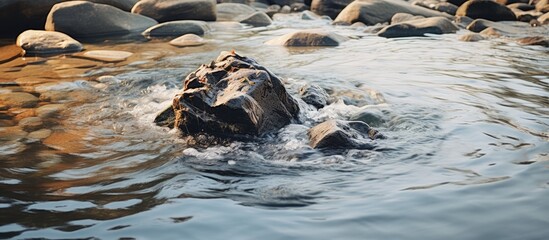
column 418, row 27
column 231, row 95
column 312, row 37
column 171, row 10
column 372, row 12
column 257, row 19
column 47, row 42
column 81, row 19
column 177, row 28
column 188, row 40
column 329, row 7
column 343, row 134
column 486, row 9
column 314, row 95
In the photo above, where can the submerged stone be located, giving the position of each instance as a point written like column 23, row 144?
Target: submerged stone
column 231, row 95
column 343, row 134
column 418, row 27
column 314, row 95
column 177, row 28
column 305, row 38
column 188, row 40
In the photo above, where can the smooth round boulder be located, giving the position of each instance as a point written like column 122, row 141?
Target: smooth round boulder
column 177, row 28
column 40, row 134
column 330, row 8
column 31, row 124
column 257, row 19
column 172, row 10
column 18, row 100
column 38, row 42
column 188, row 40
column 486, row 9
column 418, row 28
column 372, row 12
column 304, row 38
column 49, row 110
column 94, row 20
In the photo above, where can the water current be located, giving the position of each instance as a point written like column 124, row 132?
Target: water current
column 466, row 154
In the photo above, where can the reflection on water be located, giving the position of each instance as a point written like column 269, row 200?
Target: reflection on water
column 467, row 127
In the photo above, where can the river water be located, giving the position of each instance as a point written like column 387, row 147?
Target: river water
column 466, row 155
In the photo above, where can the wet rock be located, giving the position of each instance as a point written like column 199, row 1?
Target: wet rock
column 463, row 21
column 528, row 16
column 231, row 95
column 68, row 142
column 308, row 15
column 9, row 52
column 418, row 27
column 471, row 37
column 285, row 9
column 329, row 7
column 313, row 37
column 23, row 113
column 125, row 5
column 105, row 55
column 540, row 41
column 31, row 124
column 19, row 99
column 480, row 25
column 372, row 12
column 94, row 20
column 372, row 117
column 272, row 10
column 177, row 28
column 233, row 11
column 188, row 40
column 12, row 133
column 544, row 19
column 49, row 110
column 521, row 6
column 342, row 134
column 486, row 9
column 436, row 5
column 37, row 42
column 40, row 134
column 542, row 6
column 257, row 19
column 314, row 95
column 171, row 10
column 403, row 17
column 491, row 33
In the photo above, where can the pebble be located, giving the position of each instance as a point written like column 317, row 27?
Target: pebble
column 31, row 124
column 49, row 110
column 188, row 40
column 40, row 134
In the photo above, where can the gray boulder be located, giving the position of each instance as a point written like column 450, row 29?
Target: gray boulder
column 82, row 19
column 372, row 12
column 418, row 28
column 38, row 42
column 312, row 37
column 486, row 9
column 257, row 19
column 329, row 7
column 177, row 28
column 231, row 95
column 17, row 16
column 337, row 134
column 171, row 10
column 314, row 95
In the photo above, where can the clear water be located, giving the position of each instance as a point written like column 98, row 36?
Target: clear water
column 466, row 155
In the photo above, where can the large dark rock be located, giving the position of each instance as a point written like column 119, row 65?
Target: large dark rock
column 17, row 16
column 486, row 9
column 231, row 95
column 82, row 19
column 305, row 38
column 343, row 134
column 314, row 95
column 171, row 10
column 418, row 28
column 329, row 7
column 372, row 12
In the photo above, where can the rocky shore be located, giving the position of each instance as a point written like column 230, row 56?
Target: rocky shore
column 232, row 86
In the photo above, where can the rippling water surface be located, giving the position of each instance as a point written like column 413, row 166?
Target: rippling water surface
column 466, row 155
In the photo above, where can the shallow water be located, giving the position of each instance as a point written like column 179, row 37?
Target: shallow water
column 466, row 155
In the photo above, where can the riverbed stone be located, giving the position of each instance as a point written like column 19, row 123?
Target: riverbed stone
column 172, row 10
column 372, row 117
column 403, row 17
column 94, row 20
column 31, row 124
column 486, row 9
column 418, row 28
column 544, row 19
column 542, row 6
column 445, row 7
column 480, row 25
column 231, row 95
column 372, row 12
column 313, row 37
column 39, row 134
column 339, row 134
column 49, row 110
column 471, row 37
column 14, row 133
column 538, row 40
column 19, row 99
column 330, row 8
column 105, row 55
column 233, row 11
column 38, row 42
column 314, row 95
column 257, row 19
column 9, row 52
column 177, row 28
column 188, row 40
